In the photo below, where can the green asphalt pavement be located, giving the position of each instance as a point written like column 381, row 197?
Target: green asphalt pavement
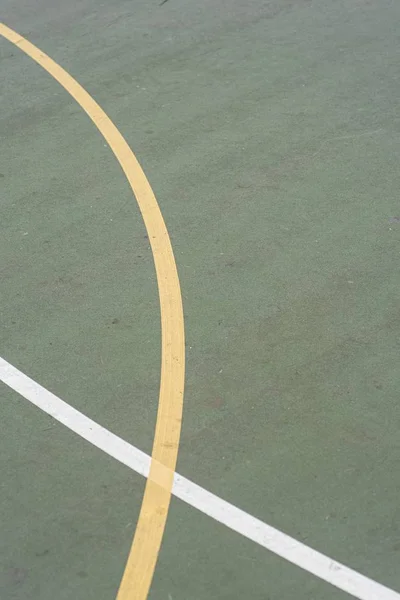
column 270, row 133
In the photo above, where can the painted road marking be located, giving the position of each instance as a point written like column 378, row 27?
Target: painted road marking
column 236, row 519
column 143, row 555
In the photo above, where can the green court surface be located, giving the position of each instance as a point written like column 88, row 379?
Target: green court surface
column 270, row 133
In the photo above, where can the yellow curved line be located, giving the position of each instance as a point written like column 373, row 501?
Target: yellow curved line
column 142, row 559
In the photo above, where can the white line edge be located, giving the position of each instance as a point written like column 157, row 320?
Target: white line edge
column 234, row 518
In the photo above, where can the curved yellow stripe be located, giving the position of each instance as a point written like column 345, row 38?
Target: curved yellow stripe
column 142, row 559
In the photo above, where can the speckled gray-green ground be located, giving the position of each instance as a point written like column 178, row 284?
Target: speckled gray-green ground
column 270, row 132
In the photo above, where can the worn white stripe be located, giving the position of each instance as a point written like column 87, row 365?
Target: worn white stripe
column 236, row 519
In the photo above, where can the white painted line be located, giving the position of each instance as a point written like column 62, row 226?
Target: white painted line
column 73, row 419
column 270, row 538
